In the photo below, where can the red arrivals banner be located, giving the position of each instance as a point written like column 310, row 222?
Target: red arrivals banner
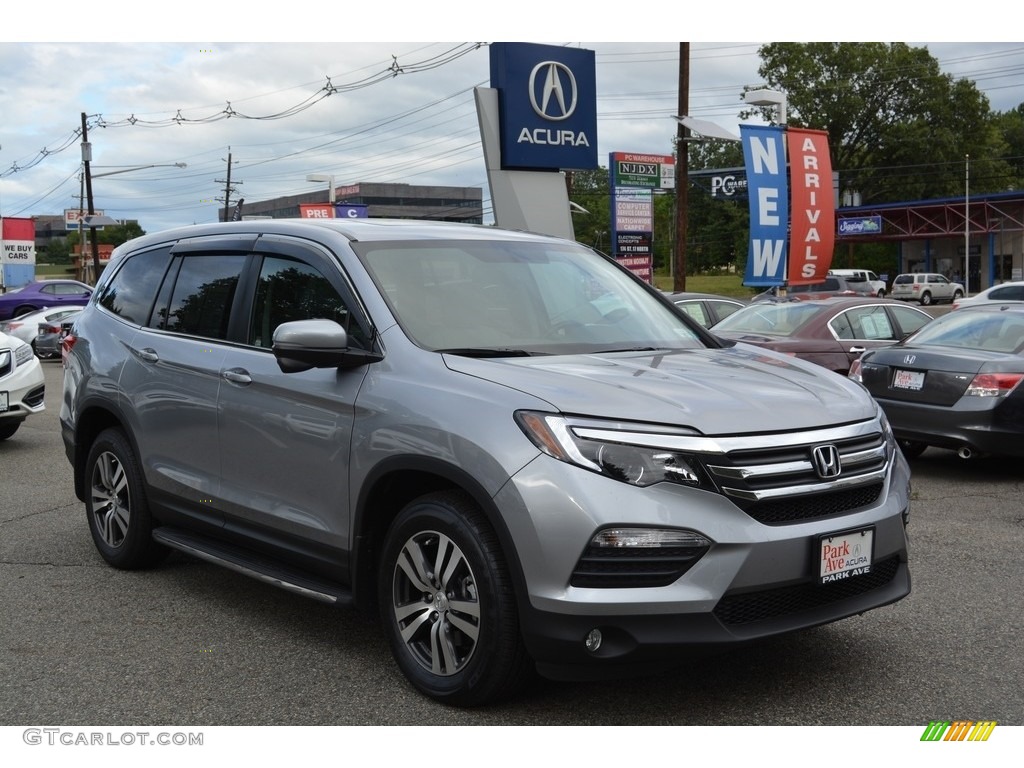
column 812, row 208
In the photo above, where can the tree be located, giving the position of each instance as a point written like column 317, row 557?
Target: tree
column 899, row 129
column 591, row 190
column 1011, row 128
column 121, row 233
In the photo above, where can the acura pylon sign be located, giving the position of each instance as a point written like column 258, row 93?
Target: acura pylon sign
column 547, row 97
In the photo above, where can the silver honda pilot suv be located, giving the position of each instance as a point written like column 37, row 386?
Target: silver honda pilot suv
column 519, row 455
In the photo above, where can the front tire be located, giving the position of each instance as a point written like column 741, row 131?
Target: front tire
column 116, row 504
column 7, row 429
column 448, row 605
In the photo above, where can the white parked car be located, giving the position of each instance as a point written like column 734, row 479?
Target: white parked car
column 26, row 327
column 1004, row 293
column 21, row 384
column 926, row 287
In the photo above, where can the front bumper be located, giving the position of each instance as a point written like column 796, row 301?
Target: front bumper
column 756, row 580
column 25, row 388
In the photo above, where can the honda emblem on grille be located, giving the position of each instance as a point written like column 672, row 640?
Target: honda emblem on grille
column 909, row 359
column 826, row 461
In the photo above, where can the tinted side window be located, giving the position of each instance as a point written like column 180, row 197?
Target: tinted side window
column 909, row 320
column 1009, row 293
column 131, row 292
column 203, row 293
column 291, row 290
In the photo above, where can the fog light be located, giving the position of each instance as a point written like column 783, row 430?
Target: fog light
column 593, row 641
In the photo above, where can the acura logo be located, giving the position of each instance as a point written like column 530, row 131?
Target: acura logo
column 555, row 84
column 826, row 461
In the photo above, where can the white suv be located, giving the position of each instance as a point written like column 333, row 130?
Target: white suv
column 926, row 287
column 22, row 386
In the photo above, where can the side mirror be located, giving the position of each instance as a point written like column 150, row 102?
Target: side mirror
column 304, row 344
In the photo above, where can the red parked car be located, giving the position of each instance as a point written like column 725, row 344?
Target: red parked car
column 830, row 332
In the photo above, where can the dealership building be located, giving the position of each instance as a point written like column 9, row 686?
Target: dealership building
column 979, row 238
column 393, row 201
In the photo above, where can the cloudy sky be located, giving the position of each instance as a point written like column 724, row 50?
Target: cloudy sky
column 368, row 111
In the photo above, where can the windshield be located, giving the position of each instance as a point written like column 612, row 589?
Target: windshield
column 993, row 331
column 768, row 319
column 519, row 298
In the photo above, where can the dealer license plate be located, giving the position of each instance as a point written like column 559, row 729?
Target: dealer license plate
column 3, row 402
column 845, row 555
column 908, row 380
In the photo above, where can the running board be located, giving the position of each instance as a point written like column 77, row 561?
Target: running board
column 254, row 565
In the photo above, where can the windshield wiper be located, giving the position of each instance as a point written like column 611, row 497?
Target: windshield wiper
column 488, row 352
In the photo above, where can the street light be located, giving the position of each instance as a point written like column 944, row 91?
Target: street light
column 135, row 168
column 90, row 220
column 706, row 129
column 765, row 97
column 322, row 177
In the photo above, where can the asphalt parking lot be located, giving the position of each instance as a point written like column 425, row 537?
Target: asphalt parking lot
column 192, row 644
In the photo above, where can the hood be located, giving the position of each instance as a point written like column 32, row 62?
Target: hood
column 735, row 390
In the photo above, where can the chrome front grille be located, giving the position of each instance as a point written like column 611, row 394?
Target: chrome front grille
column 781, row 484
column 785, row 477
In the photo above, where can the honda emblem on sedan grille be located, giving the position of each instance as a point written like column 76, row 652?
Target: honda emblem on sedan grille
column 909, row 359
column 826, row 461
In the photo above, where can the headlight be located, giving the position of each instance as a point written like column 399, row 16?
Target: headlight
column 887, row 434
column 23, row 353
column 640, row 465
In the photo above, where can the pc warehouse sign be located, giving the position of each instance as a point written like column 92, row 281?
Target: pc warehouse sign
column 645, row 171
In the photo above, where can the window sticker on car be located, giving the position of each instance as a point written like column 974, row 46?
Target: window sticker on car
column 843, row 555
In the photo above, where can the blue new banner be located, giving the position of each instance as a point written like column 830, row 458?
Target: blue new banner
column 764, row 155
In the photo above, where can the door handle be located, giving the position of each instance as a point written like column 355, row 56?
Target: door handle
column 237, row 375
column 857, row 350
column 148, row 354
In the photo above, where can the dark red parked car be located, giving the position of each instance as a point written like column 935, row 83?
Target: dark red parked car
column 830, row 332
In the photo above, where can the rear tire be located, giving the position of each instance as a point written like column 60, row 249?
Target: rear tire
column 116, row 504
column 926, row 299
column 448, row 605
column 912, row 448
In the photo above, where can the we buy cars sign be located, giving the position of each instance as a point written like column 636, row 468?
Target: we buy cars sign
column 19, row 241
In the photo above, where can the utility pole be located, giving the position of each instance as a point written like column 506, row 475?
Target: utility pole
column 682, row 170
column 86, row 159
column 228, row 189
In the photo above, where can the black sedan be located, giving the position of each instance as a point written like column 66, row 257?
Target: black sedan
column 954, row 384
